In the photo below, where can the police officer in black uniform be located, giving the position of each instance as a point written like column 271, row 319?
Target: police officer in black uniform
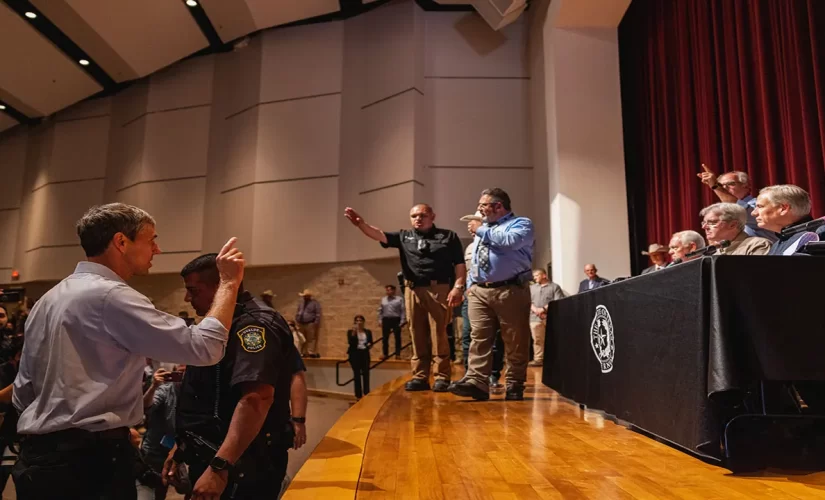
column 233, row 419
column 432, row 261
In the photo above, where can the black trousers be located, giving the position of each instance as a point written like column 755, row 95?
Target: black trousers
column 76, row 465
column 391, row 325
column 261, row 484
column 360, row 362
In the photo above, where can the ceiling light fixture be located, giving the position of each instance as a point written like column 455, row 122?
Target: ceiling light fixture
column 83, row 62
column 191, row 3
column 31, row 15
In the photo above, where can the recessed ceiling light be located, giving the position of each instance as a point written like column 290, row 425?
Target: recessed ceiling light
column 191, row 3
column 2, row 107
column 31, row 15
column 83, row 62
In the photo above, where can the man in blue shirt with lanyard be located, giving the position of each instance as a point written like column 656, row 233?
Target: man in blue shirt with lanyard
column 498, row 295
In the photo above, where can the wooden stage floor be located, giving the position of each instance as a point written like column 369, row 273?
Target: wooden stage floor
column 436, row 446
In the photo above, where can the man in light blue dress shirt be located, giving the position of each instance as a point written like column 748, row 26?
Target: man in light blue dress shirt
column 498, row 294
column 79, row 384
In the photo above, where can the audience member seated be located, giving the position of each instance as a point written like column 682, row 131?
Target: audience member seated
column 683, row 243
column 780, row 207
column 658, row 257
column 593, row 280
column 726, row 221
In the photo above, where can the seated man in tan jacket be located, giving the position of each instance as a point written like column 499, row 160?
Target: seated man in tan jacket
column 726, row 221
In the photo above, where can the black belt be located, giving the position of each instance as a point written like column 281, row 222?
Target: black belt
column 499, row 284
column 423, row 283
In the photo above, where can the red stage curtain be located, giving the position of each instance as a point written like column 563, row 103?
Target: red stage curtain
column 735, row 84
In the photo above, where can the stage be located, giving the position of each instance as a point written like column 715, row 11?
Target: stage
column 394, row 444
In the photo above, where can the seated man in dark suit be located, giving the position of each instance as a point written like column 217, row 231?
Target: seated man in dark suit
column 780, row 207
column 593, row 280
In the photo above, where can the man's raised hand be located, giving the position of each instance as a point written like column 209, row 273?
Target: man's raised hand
column 353, row 216
column 231, row 263
column 707, row 175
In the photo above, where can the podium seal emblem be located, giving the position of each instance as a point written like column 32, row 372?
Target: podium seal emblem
column 601, row 338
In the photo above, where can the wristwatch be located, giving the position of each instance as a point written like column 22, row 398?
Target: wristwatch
column 219, row 464
column 299, row 420
column 460, row 287
column 716, row 186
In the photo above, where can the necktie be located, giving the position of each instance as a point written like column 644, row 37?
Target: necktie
column 483, row 257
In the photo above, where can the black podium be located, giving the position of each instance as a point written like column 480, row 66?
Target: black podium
column 704, row 355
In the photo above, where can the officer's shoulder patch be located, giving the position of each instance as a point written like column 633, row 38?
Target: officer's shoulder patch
column 253, row 338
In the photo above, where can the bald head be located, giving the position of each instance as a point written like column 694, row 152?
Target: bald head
column 591, row 271
column 424, row 207
column 422, row 217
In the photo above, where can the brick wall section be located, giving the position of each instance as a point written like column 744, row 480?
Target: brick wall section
column 343, row 289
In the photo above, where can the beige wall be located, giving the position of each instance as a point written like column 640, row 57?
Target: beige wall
column 577, row 135
column 269, row 142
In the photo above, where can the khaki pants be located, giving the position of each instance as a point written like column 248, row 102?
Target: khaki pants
column 428, row 315
column 507, row 307
column 538, row 330
column 310, row 331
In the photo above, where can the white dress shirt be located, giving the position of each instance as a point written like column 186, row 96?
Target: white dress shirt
column 87, row 340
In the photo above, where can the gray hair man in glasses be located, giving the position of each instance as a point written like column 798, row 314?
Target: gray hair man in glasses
column 735, row 187
column 726, row 221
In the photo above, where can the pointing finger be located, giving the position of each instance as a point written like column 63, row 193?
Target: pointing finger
column 229, row 244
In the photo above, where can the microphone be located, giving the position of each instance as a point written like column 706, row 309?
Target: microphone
column 799, row 228
column 708, row 250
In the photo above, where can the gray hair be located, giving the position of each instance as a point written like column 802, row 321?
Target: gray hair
column 101, row 223
column 688, row 237
column 741, row 177
column 787, row 194
column 727, row 212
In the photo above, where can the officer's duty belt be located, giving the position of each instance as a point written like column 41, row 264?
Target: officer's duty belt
column 424, row 283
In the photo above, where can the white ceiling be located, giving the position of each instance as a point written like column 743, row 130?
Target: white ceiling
column 130, row 40
column 127, row 40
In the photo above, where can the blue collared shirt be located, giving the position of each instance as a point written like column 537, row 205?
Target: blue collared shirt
column 510, row 240
column 751, row 227
column 87, row 340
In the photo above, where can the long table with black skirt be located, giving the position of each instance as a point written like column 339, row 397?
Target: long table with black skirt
column 657, row 350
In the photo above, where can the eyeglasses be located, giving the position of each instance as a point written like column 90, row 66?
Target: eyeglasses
column 712, row 223
column 728, row 184
column 483, row 205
